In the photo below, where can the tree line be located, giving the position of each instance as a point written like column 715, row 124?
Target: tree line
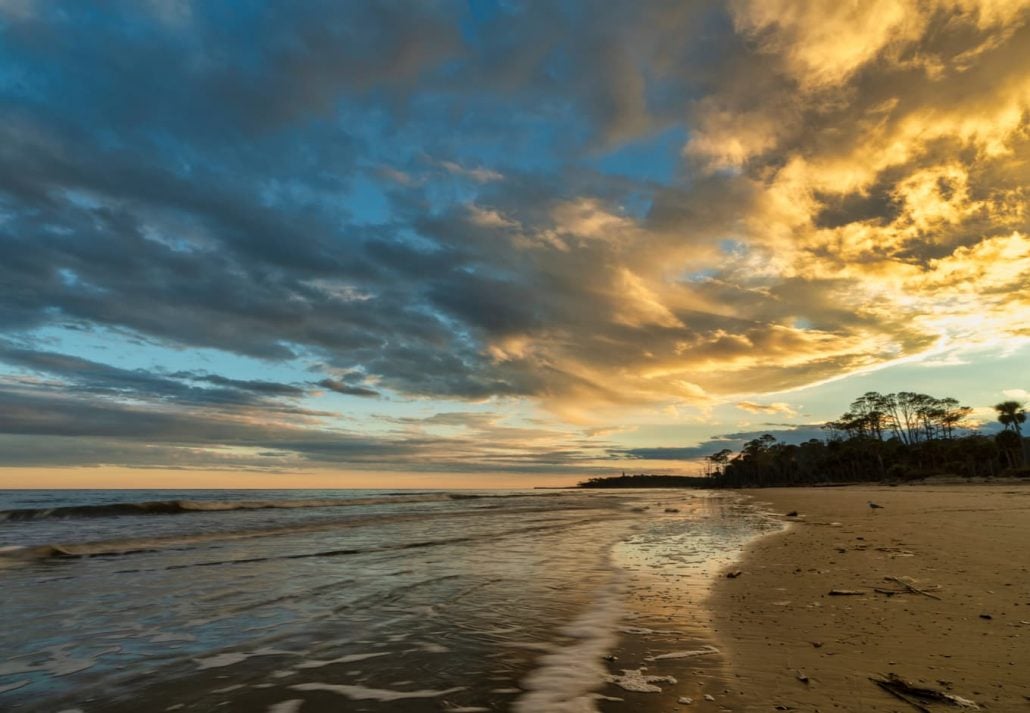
column 902, row 436
column 895, row 437
column 646, row 480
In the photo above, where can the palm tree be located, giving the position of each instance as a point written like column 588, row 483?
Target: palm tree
column 1012, row 415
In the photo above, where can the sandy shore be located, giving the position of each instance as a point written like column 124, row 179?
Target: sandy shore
column 966, row 545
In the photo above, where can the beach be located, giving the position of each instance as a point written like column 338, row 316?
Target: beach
column 789, row 644
column 534, row 602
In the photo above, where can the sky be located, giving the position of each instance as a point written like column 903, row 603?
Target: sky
column 496, row 243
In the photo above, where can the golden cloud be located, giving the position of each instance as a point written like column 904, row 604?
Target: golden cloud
column 778, row 407
column 871, row 163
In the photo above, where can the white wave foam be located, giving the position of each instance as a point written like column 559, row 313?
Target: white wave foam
column 291, row 706
column 703, row 651
column 169, row 636
column 567, row 678
column 431, row 647
column 644, row 631
column 233, row 657
column 220, row 660
column 361, row 693
column 316, row 663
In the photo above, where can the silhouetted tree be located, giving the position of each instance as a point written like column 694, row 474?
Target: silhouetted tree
column 952, row 415
column 869, row 414
column 1012, row 416
column 719, row 460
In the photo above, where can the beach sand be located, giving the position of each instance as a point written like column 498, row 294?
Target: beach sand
column 967, row 545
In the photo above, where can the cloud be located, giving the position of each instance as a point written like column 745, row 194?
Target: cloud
column 324, row 184
column 269, row 388
column 731, row 441
column 480, row 175
column 82, row 429
column 777, row 407
column 76, row 374
column 347, row 389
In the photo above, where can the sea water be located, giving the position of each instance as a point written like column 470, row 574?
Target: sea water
column 287, row 601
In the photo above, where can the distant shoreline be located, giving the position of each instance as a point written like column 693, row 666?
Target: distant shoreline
column 649, row 481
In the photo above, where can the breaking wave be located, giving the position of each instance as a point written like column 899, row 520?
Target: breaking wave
column 129, row 546
column 177, row 507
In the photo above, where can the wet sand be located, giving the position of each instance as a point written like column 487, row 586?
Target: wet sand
column 667, row 653
column 968, row 546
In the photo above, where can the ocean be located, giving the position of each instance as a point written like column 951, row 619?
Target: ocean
column 531, row 601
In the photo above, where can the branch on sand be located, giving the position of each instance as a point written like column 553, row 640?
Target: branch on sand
column 919, row 696
column 911, row 587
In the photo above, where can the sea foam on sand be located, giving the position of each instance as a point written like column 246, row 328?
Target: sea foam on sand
column 566, row 679
column 636, row 680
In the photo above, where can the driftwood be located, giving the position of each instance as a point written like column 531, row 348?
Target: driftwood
column 911, row 588
column 918, row 696
column 846, row 592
